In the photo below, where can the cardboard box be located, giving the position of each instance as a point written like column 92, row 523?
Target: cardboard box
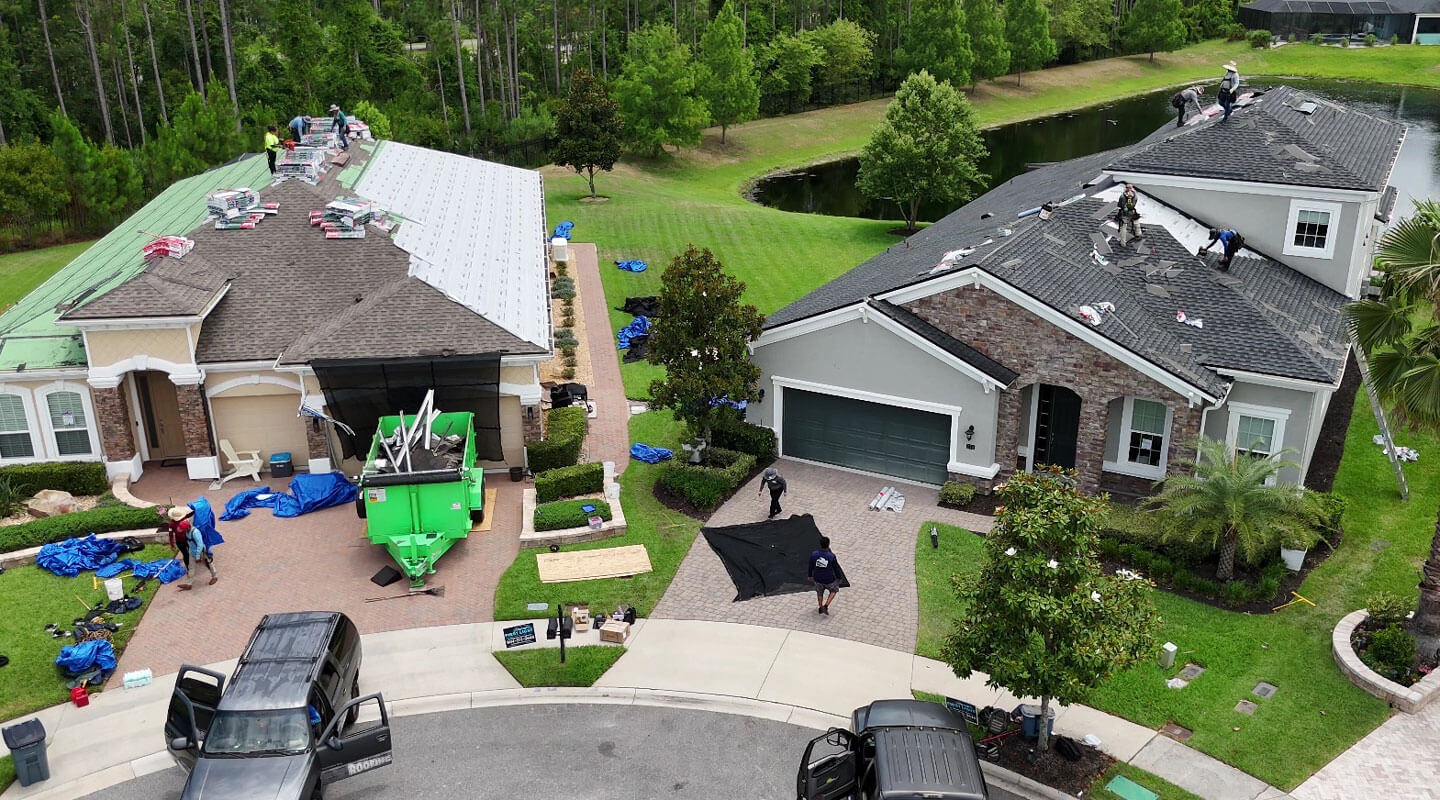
column 616, row 632
column 580, row 616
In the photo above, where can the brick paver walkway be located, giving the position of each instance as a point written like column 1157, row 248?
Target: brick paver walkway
column 1398, row 759
column 319, row 561
column 609, row 435
column 876, row 548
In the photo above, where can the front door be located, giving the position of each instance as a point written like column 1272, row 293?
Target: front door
column 160, row 415
column 1057, row 425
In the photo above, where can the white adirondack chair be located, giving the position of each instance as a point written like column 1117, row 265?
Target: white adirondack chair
column 242, row 463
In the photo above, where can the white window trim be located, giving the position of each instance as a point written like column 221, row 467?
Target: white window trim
column 1328, row 251
column 1121, row 465
column 32, row 426
column 92, row 425
column 1276, row 415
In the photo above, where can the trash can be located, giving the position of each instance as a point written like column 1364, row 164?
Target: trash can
column 1030, row 721
column 27, row 748
column 281, row 466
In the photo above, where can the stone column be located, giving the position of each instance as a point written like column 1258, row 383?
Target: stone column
column 1184, row 430
column 1090, row 440
column 533, row 420
column 315, row 433
column 1007, row 430
column 194, row 421
column 117, row 427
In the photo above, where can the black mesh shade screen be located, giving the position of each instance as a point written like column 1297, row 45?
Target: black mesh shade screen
column 768, row 558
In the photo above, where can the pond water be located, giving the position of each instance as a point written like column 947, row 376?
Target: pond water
column 830, row 188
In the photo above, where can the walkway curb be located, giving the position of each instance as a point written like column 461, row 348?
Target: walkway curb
column 16, row 558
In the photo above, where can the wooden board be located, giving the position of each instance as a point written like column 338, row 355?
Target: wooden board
column 489, row 520
column 589, row 565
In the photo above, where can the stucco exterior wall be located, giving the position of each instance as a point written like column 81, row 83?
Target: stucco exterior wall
column 512, row 434
column 264, row 422
column 108, row 347
column 1297, row 434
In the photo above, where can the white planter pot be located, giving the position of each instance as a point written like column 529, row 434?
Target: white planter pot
column 1294, row 559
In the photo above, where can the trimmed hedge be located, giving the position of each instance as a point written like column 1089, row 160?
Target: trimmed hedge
column 707, row 486
column 111, row 515
column 75, row 477
column 955, row 493
column 554, row 484
column 561, row 448
column 739, row 435
column 568, row 514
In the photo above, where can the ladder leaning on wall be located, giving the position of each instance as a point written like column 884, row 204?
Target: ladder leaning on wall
column 1380, row 420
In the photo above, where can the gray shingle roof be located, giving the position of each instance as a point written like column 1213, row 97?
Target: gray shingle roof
column 167, row 287
column 1270, row 141
column 1001, row 373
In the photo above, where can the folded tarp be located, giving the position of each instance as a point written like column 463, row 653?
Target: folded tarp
column 562, row 231
column 726, row 401
column 768, row 558
column 77, row 659
column 116, row 568
column 168, row 570
column 640, row 326
column 307, row 493
column 204, row 521
column 73, row 556
column 639, row 349
column 648, row 454
column 632, row 265
column 642, row 306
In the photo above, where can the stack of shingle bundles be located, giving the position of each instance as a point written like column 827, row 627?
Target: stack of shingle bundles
column 238, row 209
column 172, row 246
column 303, row 162
column 345, row 218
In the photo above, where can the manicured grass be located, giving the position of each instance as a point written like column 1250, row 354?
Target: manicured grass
column 928, row 697
column 959, row 556
column 22, row 272
column 1158, row 785
column 31, row 599
column 666, row 535
column 658, row 206
column 541, row 667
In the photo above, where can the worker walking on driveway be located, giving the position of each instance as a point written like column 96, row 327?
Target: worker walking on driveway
column 178, row 528
column 1229, row 240
column 341, row 126
column 773, row 481
column 825, row 574
column 272, row 147
column 199, row 554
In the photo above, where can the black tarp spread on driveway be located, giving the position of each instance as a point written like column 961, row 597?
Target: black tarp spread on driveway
column 359, row 391
column 768, row 558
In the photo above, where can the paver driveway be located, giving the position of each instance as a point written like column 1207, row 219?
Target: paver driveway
column 876, row 548
column 319, row 561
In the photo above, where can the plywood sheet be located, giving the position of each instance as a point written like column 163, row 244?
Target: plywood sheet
column 588, row 565
column 484, row 525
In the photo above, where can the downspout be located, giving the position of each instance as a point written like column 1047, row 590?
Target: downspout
column 1205, row 412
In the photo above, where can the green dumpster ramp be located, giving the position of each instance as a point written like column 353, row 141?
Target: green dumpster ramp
column 1128, row 789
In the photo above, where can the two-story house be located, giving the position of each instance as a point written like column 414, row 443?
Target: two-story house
column 1019, row 331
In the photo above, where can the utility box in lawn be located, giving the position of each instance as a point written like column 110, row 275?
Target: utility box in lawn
column 419, row 504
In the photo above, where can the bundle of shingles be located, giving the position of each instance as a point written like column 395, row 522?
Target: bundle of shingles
column 238, row 209
column 344, row 218
column 172, row 246
column 304, row 162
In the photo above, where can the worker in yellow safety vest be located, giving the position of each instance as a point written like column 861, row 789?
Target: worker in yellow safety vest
column 272, row 147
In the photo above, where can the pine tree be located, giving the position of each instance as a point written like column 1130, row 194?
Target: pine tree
column 987, row 39
column 1154, row 25
column 727, row 81
column 935, row 40
column 1027, row 29
column 588, row 128
column 656, row 91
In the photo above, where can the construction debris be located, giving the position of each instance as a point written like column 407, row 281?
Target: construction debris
column 1401, row 452
column 889, row 499
column 418, row 448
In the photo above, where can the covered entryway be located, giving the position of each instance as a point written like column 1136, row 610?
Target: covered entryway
column 160, row 424
column 873, row 437
column 1057, row 425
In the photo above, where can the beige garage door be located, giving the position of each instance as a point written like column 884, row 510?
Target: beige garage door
column 265, row 422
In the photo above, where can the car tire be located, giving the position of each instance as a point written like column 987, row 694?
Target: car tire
column 354, row 712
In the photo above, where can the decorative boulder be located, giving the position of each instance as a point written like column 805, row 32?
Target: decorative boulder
column 50, row 503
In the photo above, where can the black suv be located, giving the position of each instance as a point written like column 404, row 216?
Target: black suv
column 286, row 725
column 899, row 750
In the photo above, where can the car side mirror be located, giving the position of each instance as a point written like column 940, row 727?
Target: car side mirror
column 180, row 743
column 334, row 743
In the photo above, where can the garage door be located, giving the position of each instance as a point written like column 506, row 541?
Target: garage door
column 869, row 436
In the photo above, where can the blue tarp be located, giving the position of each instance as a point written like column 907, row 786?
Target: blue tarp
column 632, row 265
column 307, row 493
column 640, row 326
column 73, row 556
column 168, row 570
column 204, row 521
column 78, row 659
column 726, row 401
column 562, row 231
column 648, row 454
column 116, row 568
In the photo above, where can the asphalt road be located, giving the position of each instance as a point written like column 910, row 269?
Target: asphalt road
column 579, row 752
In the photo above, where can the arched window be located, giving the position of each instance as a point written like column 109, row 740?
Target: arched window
column 15, row 441
column 67, row 420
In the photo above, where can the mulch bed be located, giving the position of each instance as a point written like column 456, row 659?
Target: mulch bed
column 984, row 504
column 1052, row 769
column 1360, row 642
column 675, row 502
column 1325, row 461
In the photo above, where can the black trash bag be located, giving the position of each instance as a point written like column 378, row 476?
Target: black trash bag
column 642, row 306
column 639, row 349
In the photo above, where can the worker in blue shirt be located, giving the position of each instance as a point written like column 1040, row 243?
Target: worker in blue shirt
column 825, row 573
column 1230, row 242
column 298, row 126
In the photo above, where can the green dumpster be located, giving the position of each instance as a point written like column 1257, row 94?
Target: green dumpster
column 421, row 506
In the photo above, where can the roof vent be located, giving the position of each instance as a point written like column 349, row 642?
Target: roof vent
column 1307, row 107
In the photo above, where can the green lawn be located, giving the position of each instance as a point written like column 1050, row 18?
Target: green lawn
column 959, row 555
column 1165, row 789
column 541, row 667
column 32, row 598
column 658, row 206
column 666, row 535
column 21, row 272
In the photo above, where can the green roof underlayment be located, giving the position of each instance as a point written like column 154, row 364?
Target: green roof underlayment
column 28, row 333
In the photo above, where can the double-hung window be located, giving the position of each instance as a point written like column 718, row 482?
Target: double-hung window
column 1144, row 436
column 15, row 441
column 1312, row 229
column 67, row 420
column 1257, row 431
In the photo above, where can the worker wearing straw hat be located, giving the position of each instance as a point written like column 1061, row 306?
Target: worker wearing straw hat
column 1229, row 88
column 341, row 126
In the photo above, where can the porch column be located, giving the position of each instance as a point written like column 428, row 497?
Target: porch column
column 1007, row 430
column 194, row 421
column 116, row 426
column 532, row 418
column 1184, row 430
column 315, row 433
column 1090, row 441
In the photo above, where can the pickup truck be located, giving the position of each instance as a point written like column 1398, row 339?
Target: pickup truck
column 286, row 725
column 894, row 750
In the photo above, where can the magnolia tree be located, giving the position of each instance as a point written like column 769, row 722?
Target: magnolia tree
column 702, row 342
column 1044, row 619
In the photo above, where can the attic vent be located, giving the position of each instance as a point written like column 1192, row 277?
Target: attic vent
column 1307, row 107
column 1186, row 347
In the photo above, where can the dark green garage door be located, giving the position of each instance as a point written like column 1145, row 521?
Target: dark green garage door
column 869, row 436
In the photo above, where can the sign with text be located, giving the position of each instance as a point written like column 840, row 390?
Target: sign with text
column 521, row 634
column 964, row 709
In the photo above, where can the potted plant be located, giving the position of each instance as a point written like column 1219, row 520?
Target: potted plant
column 1293, row 547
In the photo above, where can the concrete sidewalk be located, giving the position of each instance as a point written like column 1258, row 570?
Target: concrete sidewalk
column 790, row 676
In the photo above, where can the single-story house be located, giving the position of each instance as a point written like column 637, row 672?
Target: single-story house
column 1019, row 331
column 1407, row 21
column 130, row 361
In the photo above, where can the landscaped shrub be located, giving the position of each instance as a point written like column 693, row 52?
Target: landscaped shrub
column 1333, row 507
column 1370, row 40
column 1234, row 32
column 569, row 514
column 735, row 464
column 565, row 337
column 561, row 448
column 1290, row 38
column 1392, row 648
column 1387, row 609
column 77, row 478
column 580, row 479
column 110, row 516
column 1316, row 38
column 12, row 494
column 957, row 494
column 563, row 288
column 1258, row 38
column 1394, row 38
column 737, row 434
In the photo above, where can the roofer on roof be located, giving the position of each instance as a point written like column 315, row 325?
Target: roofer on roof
column 272, row 147
column 1230, row 240
column 298, row 125
column 1229, row 89
column 1184, row 98
column 341, row 127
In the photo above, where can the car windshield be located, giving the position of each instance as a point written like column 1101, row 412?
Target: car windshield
column 258, row 732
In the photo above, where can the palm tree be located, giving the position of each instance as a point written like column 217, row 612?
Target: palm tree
column 1400, row 334
column 1232, row 502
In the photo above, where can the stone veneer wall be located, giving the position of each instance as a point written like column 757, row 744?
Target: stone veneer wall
column 1042, row 353
column 117, row 430
column 315, row 433
column 194, row 421
column 533, row 419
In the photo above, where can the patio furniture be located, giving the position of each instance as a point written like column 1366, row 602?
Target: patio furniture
column 242, row 463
